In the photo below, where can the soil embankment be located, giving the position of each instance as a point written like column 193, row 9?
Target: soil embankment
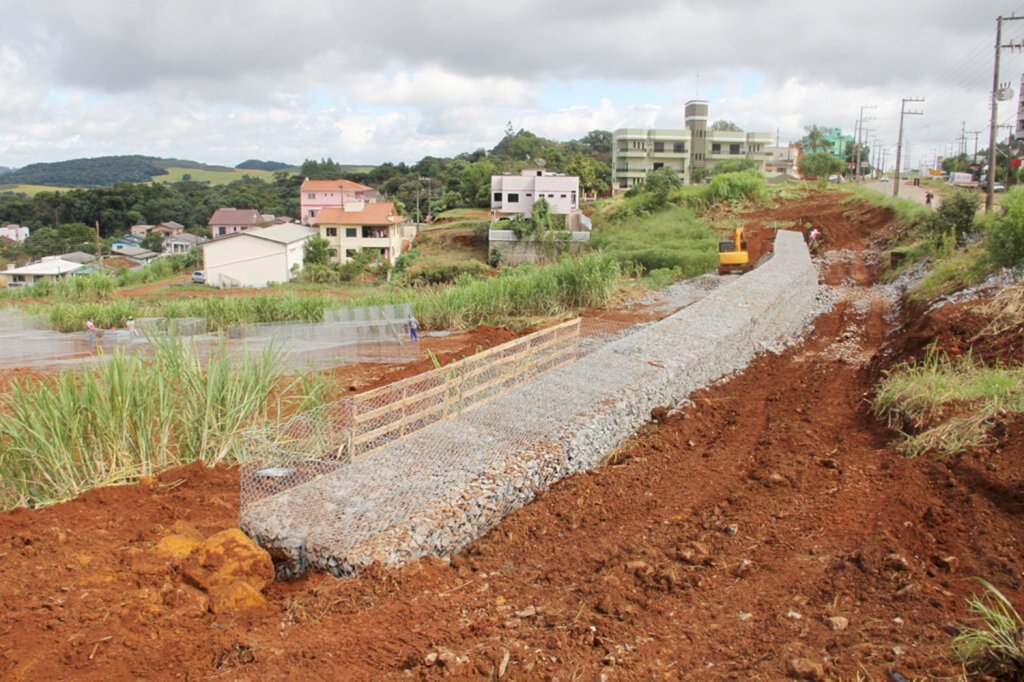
column 769, row 528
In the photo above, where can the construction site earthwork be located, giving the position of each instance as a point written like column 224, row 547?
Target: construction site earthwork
column 697, row 485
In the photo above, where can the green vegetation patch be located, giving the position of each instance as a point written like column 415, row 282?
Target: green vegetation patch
column 946, row 406
column 670, row 239
column 128, row 417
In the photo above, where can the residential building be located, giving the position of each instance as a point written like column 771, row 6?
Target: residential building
column 636, row 152
column 833, row 140
column 782, row 160
column 125, row 241
column 167, row 229
column 138, row 255
column 182, row 243
column 316, row 195
column 16, row 233
column 51, row 267
column 80, row 257
column 256, row 257
column 228, row 221
column 513, row 195
column 362, row 226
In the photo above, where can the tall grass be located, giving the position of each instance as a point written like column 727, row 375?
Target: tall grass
column 909, row 213
column 127, row 417
column 671, row 239
column 946, row 406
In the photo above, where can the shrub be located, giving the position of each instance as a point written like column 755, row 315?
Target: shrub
column 1005, row 233
column 735, row 189
column 955, row 216
column 442, row 273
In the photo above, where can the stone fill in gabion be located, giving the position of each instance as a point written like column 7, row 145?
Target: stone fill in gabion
column 445, row 485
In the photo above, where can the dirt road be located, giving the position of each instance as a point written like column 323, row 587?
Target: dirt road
column 769, row 529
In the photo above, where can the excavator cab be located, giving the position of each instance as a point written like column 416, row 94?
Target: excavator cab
column 733, row 255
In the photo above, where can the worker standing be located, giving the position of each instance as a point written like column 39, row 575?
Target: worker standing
column 130, row 326
column 414, row 327
column 90, row 329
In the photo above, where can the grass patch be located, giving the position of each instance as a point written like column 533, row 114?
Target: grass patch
column 672, row 239
column 32, row 190
column 214, row 177
column 945, row 406
column 128, row 417
column 952, row 272
column 993, row 646
column 909, row 213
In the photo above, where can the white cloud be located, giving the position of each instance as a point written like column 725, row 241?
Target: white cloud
column 229, row 80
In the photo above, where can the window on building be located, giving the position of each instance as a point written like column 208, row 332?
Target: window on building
column 351, row 232
column 332, row 232
column 658, row 165
column 573, row 197
column 551, row 196
column 311, row 195
column 659, row 146
column 564, row 196
column 513, row 197
column 497, row 196
column 716, row 148
column 679, row 148
column 734, row 149
column 222, row 230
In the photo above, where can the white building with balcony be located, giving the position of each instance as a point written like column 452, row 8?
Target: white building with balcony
column 374, row 227
column 636, row 151
column 513, row 195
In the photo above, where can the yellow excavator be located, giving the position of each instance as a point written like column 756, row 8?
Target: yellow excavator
column 732, row 254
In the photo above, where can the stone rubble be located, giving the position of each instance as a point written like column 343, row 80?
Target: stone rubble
column 440, row 488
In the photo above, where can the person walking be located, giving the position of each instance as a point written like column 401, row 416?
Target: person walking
column 414, row 327
column 928, row 198
column 130, row 326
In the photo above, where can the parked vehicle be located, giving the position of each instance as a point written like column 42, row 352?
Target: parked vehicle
column 199, row 277
column 996, row 187
column 962, row 180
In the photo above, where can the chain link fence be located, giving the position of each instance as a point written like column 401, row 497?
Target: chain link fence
column 324, row 439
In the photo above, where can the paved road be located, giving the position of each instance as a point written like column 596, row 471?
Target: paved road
column 907, row 190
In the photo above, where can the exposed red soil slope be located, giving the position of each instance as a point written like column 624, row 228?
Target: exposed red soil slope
column 715, row 546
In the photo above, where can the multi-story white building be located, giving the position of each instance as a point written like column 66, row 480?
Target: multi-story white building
column 515, row 194
column 357, row 226
column 316, row 195
column 636, row 152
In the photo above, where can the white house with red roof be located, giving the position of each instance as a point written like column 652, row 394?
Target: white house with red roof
column 317, row 195
column 362, row 226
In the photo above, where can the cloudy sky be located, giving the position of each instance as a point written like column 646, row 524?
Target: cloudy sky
column 221, row 81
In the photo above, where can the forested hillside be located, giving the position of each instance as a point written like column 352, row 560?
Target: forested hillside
column 434, row 184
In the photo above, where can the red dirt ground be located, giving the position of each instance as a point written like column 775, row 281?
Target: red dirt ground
column 715, row 545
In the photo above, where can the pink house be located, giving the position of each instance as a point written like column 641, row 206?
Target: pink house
column 320, row 194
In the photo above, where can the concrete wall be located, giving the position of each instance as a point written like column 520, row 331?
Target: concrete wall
column 444, row 486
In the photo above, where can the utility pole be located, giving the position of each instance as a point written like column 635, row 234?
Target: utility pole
column 899, row 141
column 993, row 126
column 860, row 128
column 99, row 254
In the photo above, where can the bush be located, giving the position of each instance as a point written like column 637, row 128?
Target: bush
column 443, row 273
column 955, row 216
column 1005, row 233
column 735, row 189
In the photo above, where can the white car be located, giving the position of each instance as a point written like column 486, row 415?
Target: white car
column 199, row 277
column 884, row 178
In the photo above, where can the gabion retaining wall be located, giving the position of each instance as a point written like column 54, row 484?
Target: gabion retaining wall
column 444, row 486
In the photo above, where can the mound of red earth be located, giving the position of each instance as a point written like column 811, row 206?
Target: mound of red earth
column 770, row 530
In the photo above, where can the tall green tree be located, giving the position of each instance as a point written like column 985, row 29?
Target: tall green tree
column 819, row 165
column 318, row 251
